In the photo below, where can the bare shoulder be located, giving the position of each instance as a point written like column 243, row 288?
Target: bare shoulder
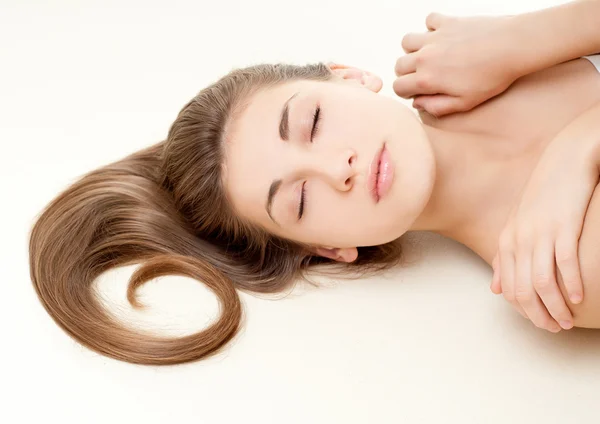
column 587, row 313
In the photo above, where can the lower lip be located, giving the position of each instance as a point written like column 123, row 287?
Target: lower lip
column 386, row 174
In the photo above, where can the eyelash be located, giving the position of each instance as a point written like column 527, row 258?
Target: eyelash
column 315, row 127
column 313, row 133
column 302, row 202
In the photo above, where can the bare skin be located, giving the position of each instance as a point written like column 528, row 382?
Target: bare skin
column 512, row 131
column 460, row 174
column 464, row 61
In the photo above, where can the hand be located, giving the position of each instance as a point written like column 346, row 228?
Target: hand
column 460, row 63
column 544, row 226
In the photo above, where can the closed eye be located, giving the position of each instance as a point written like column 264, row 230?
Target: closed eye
column 315, row 127
column 313, row 133
column 302, row 202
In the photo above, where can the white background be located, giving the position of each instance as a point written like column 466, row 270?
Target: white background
column 85, row 83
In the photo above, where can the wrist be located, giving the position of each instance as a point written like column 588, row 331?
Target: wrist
column 514, row 46
column 547, row 37
column 529, row 38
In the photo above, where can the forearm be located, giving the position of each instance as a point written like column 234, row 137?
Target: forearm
column 579, row 140
column 543, row 38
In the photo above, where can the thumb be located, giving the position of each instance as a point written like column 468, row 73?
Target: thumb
column 439, row 104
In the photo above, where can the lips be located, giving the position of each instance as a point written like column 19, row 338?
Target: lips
column 380, row 175
column 372, row 175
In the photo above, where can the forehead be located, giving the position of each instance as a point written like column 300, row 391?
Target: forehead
column 266, row 103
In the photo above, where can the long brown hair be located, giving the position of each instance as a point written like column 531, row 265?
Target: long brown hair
column 165, row 207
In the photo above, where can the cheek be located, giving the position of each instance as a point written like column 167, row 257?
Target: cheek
column 326, row 208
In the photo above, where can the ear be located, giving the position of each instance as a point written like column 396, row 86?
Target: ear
column 357, row 76
column 346, row 254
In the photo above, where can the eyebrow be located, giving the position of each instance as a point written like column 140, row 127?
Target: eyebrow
column 284, row 133
column 284, row 128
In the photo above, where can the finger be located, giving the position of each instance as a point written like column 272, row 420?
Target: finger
column 413, row 84
column 544, row 282
column 526, row 295
column 440, row 104
column 434, row 20
column 406, row 64
column 496, row 287
column 567, row 260
column 497, row 283
column 506, row 261
column 413, row 41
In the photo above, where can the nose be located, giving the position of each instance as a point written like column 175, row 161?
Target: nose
column 337, row 167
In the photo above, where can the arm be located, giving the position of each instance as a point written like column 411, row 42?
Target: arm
column 547, row 37
column 587, row 313
column 463, row 61
column 544, row 230
column 581, row 138
column 584, row 134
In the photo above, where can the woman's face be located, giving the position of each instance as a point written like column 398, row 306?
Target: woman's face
column 353, row 124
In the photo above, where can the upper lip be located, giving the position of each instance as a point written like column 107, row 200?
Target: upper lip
column 372, row 174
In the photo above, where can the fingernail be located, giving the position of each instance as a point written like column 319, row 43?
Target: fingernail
column 575, row 298
column 567, row 325
column 555, row 328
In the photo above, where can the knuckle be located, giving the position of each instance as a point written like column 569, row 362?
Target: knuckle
column 542, row 282
column 522, row 294
column 432, row 19
column 524, row 237
column 564, row 257
column 566, row 243
column 568, row 230
column 423, row 82
column 509, row 296
column 420, row 58
column 505, row 243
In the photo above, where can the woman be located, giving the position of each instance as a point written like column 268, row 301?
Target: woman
column 273, row 169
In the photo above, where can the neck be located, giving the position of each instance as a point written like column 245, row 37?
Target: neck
column 465, row 204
